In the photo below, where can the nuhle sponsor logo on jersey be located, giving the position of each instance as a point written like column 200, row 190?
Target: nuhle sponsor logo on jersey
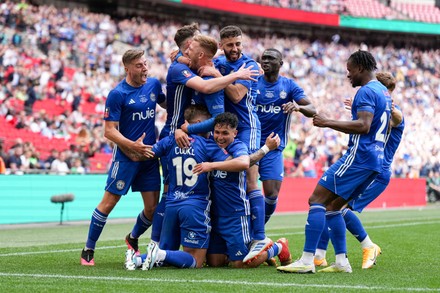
column 269, row 109
column 219, row 174
column 143, row 115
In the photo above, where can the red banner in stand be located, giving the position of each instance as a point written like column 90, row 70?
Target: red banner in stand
column 267, row 11
column 295, row 193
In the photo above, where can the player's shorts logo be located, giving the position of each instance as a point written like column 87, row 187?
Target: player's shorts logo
column 120, row 184
column 283, row 95
column 191, row 235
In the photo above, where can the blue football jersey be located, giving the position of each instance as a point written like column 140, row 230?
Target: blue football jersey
column 178, row 96
column 367, row 150
column 270, row 98
column 393, row 140
column 183, row 183
column 229, row 188
column 215, row 104
column 245, row 109
column 135, row 110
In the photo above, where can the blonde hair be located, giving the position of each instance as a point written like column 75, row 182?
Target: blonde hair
column 387, row 79
column 208, row 44
column 131, row 55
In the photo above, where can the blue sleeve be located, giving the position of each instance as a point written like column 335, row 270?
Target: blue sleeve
column 162, row 147
column 365, row 100
column 181, row 73
column 201, row 127
column 161, row 96
column 215, row 104
column 237, row 149
column 113, row 106
column 297, row 93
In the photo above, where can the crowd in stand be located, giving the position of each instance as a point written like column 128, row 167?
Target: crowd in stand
column 73, row 56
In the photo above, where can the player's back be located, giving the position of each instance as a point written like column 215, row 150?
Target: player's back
column 367, row 150
column 270, row 98
column 178, row 96
column 183, row 184
column 135, row 109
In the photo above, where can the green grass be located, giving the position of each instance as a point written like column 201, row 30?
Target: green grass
column 45, row 258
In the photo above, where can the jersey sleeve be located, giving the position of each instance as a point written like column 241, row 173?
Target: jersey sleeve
column 248, row 83
column 296, row 92
column 181, row 73
column 113, row 106
column 237, row 149
column 365, row 100
column 163, row 146
column 160, row 95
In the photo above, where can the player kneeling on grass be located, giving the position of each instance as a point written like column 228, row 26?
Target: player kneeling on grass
column 230, row 212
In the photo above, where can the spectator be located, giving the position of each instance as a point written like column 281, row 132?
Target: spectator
column 59, row 166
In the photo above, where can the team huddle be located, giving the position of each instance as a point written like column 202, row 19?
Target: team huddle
column 227, row 125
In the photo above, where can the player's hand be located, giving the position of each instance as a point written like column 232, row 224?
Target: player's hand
column 184, row 127
column 202, row 168
column 181, row 138
column 273, row 141
column 247, row 73
column 173, row 55
column 290, row 107
column 347, row 103
column 208, row 70
column 319, row 120
column 140, row 149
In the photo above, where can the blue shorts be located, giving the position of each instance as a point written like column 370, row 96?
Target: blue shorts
column 230, row 236
column 185, row 224
column 353, row 181
column 271, row 166
column 140, row 176
column 250, row 137
column 372, row 192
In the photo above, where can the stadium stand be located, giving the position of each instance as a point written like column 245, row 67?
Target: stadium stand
column 72, row 79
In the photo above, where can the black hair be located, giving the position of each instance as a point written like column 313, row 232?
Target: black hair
column 364, row 59
column 230, row 31
column 226, row 118
column 185, row 32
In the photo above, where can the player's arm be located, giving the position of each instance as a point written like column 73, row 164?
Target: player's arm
column 272, row 143
column 304, row 106
column 236, row 92
column 238, row 164
column 135, row 150
column 396, row 116
column 359, row 126
column 215, row 84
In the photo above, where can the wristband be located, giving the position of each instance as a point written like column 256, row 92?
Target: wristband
column 265, row 149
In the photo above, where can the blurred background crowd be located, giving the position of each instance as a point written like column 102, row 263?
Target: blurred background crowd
column 58, row 65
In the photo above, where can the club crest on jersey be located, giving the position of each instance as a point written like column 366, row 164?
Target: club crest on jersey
column 153, row 97
column 143, row 98
column 120, row 184
column 283, row 95
column 106, row 112
column 186, row 73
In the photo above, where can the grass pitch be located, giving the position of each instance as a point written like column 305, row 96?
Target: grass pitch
column 45, row 258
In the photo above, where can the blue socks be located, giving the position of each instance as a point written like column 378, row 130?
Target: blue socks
column 180, row 259
column 256, row 201
column 314, row 227
column 354, row 225
column 325, row 237
column 336, row 225
column 142, row 224
column 273, row 251
column 158, row 219
column 96, row 226
column 270, row 204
